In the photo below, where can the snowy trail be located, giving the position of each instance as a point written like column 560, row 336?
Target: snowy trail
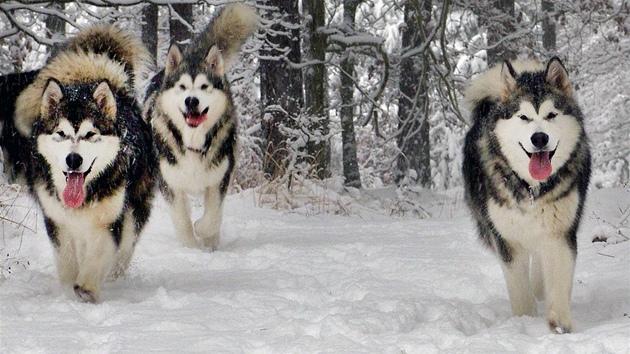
column 288, row 283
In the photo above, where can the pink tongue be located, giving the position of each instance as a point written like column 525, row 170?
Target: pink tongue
column 74, row 195
column 194, row 120
column 540, row 165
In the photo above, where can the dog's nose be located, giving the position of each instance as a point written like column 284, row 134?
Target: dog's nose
column 191, row 102
column 74, row 161
column 540, row 140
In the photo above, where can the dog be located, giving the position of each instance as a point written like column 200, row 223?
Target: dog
column 190, row 109
column 93, row 163
column 526, row 170
column 15, row 146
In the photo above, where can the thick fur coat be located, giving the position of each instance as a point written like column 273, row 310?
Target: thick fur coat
column 526, row 172
column 190, row 109
column 93, row 162
column 16, row 150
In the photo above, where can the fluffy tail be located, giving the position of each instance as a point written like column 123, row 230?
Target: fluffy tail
column 99, row 52
column 119, row 46
column 491, row 83
column 229, row 30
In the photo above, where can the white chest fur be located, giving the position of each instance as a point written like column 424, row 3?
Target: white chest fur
column 192, row 174
column 99, row 214
column 530, row 224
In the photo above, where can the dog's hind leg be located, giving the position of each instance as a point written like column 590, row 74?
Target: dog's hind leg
column 516, row 275
column 209, row 226
column 126, row 247
column 558, row 264
column 180, row 215
column 96, row 254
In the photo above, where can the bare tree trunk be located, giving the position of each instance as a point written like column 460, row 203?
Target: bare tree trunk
column 497, row 30
column 150, row 28
column 280, row 85
column 55, row 26
column 181, row 16
column 352, row 177
column 549, row 26
column 318, row 145
column 414, row 160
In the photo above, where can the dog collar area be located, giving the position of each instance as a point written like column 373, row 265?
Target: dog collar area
column 198, row 151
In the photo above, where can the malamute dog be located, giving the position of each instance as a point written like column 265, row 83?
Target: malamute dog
column 526, row 171
column 190, row 109
column 92, row 155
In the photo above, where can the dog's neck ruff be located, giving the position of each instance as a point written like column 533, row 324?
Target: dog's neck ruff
column 530, row 190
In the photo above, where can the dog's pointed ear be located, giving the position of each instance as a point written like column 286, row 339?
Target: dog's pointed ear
column 105, row 99
column 173, row 59
column 508, row 75
column 51, row 97
column 215, row 61
column 558, row 76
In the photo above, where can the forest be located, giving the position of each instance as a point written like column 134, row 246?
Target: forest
column 355, row 95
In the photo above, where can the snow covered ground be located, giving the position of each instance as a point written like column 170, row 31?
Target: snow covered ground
column 289, row 283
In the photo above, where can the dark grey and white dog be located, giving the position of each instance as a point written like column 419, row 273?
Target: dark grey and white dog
column 526, row 171
column 16, row 151
column 190, row 109
column 93, row 162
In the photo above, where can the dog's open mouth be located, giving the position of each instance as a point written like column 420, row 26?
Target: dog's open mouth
column 74, row 193
column 194, row 119
column 540, row 163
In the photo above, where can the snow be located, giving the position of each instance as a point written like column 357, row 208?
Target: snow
column 284, row 282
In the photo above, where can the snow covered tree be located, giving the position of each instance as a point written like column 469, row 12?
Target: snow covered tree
column 314, row 47
column 414, row 162
column 548, row 25
column 55, row 27
column 280, row 84
column 351, row 174
column 150, row 14
column 181, row 19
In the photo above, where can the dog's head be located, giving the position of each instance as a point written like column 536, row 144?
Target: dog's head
column 76, row 136
column 195, row 92
column 539, row 128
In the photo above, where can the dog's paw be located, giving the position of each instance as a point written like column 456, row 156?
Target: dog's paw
column 211, row 243
column 188, row 240
column 86, row 295
column 559, row 326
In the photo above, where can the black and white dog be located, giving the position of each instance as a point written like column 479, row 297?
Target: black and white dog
column 190, row 109
column 526, row 170
column 93, row 162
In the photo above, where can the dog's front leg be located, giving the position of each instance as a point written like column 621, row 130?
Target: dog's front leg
column 95, row 255
column 517, row 279
column 209, row 226
column 558, row 263
column 180, row 215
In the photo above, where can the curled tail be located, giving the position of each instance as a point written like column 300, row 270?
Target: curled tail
column 228, row 31
column 99, row 52
column 116, row 44
column 491, row 84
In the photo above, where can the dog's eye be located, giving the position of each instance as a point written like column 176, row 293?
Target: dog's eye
column 524, row 117
column 61, row 134
column 182, row 87
column 90, row 135
column 205, row 86
column 551, row 115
